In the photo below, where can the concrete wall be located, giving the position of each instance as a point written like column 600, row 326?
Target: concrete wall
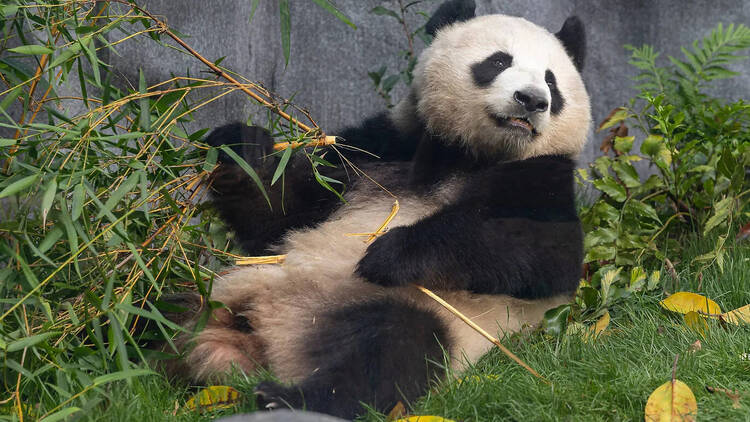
column 329, row 61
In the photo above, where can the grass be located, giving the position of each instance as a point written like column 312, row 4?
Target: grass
column 608, row 379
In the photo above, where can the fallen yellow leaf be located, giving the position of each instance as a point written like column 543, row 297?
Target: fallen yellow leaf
column 601, row 324
column 673, row 401
column 696, row 322
column 214, row 397
column 738, row 315
column 684, row 302
column 425, row 418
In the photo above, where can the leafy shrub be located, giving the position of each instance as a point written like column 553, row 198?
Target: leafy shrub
column 694, row 151
column 101, row 198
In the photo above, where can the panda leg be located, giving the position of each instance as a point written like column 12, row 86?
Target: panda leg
column 377, row 351
column 297, row 200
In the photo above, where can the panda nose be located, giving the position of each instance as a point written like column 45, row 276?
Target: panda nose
column 531, row 101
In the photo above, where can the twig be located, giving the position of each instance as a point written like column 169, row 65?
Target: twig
column 481, row 331
column 217, row 70
column 674, row 368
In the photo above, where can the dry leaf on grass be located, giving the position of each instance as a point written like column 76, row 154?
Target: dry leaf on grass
column 733, row 395
column 738, row 315
column 214, row 397
column 425, row 418
column 398, row 411
column 684, row 302
column 595, row 330
column 673, row 401
column 696, row 322
column 695, row 347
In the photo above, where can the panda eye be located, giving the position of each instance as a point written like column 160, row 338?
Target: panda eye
column 549, row 77
column 498, row 63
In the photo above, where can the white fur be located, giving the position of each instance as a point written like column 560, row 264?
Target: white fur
column 452, row 105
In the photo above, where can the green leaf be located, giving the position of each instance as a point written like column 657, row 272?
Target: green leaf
column 5, row 142
column 60, row 414
column 382, row 11
column 249, row 170
column 32, row 49
column 328, row 6
column 285, row 25
column 600, row 253
column 10, row 98
column 720, row 214
column 627, row 174
column 616, row 117
column 282, row 165
column 556, row 320
column 252, row 11
column 65, row 55
column 143, row 103
column 609, row 186
column 79, row 195
column 8, row 10
column 49, row 195
column 125, row 188
column 624, row 144
column 390, row 82
column 19, row 185
column 121, row 375
column 30, row 341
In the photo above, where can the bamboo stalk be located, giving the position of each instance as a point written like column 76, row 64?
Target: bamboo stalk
column 481, row 331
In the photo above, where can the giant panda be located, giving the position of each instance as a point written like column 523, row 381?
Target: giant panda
column 479, row 156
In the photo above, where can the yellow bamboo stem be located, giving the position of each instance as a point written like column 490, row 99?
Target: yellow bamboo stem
column 481, row 331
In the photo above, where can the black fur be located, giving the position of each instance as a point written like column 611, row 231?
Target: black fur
column 487, row 70
column 557, row 99
column 450, row 12
column 573, row 37
column 513, row 230
column 297, row 200
column 379, row 351
column 377, row 135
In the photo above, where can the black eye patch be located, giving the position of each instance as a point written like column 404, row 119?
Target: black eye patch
column 487, row 70
column 558, row 101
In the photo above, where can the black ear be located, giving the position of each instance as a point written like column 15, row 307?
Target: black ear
column 449, row 12
column 573, row 37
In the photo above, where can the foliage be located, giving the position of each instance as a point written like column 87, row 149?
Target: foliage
column 382, row 80
column 101, row 199
column 693, row 159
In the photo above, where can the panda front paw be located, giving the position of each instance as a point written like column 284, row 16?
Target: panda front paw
column 387, row 262
column 272, row 396
column 252, row 143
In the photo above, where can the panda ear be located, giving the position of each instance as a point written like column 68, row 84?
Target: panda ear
column 573, row 37
column 449, row 12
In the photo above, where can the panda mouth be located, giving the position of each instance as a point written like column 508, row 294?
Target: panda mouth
column 514, row 122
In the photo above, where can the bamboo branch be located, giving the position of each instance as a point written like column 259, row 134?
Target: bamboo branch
column 481, row 331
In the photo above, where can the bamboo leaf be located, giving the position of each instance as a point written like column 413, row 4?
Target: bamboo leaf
column 282, row 165
column 328, row 6
column 125, row 188
column 32, row 49
column 285, row 24
column 30, row 341
column 19, row 186
column 121, row 375
column 49, row 196
column 60, row 414
column 144, row 118
column 249, row 170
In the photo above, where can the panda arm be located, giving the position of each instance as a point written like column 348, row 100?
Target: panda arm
column 381, row 140
column 296, row 200
column 514, row 231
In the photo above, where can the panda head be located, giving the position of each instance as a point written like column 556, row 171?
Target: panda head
column 502, row 86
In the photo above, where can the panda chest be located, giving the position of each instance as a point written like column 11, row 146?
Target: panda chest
column 333, row 247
